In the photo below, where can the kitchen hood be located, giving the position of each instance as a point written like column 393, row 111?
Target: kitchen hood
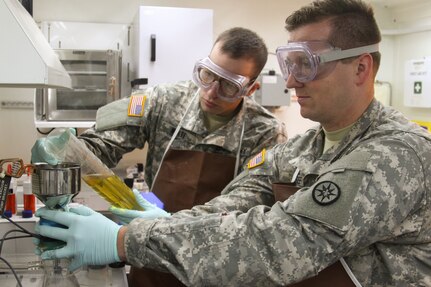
column 26, row 58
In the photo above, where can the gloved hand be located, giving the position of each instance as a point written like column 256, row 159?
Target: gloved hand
column 91, row 237
column 151, row 211
column 44, row 149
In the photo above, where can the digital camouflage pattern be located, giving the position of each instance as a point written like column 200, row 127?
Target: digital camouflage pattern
column 116, row 133
column 380, row 223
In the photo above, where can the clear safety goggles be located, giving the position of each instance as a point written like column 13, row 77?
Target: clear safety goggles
column 230, row 86
column 304, row 60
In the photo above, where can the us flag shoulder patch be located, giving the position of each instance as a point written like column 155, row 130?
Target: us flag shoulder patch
column 257, row 160
column 136, row 105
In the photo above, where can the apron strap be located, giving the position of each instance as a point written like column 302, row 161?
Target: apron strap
column 238, row 153
column 350, row 273
column 173, row 137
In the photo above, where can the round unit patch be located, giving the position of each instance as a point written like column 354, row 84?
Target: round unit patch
column 326, row 192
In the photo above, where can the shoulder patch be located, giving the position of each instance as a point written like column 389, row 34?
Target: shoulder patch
column 136, row 105
column 326, row 192
column 257, row 160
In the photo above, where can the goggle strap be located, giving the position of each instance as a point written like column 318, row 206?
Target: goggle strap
column 344, row 54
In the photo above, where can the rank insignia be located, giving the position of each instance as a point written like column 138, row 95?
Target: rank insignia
column 257, row 160
column 326, row 192
column 136, row 105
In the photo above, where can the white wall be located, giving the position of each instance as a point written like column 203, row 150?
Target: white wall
column 411, row 46
column 408, row 37
column 17, row 131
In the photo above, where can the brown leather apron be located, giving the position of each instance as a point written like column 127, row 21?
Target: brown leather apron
column 334, row 275
column 186, row 178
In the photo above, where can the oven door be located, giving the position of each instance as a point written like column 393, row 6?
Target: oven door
column 96, row 81
column 69, row 105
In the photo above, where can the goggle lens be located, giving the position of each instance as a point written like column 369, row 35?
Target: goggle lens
column 299, row 65
column 226, row 87
column 206, row 76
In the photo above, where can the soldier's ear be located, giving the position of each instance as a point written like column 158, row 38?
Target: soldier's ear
column 364, row 68
column 254, row 87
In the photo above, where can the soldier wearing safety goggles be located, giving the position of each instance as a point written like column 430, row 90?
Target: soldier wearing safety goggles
column 306, row 60
column 230, row 86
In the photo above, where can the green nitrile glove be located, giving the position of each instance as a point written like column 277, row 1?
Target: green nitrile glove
column 151, row 211
column 50, row 149
column 91, row 237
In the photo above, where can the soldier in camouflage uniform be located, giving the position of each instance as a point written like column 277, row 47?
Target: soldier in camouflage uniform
column 117, row 131
column 358, row 186
column 203, row 131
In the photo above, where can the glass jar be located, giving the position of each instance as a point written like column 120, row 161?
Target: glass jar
column 56, row 274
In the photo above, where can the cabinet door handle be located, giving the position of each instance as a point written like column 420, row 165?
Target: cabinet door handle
column 153, row 47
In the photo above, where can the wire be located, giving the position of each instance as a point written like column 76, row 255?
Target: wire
column 13, row 271
column 4, row 238
column 26, row 267
column 20, row 227
column 16, row 237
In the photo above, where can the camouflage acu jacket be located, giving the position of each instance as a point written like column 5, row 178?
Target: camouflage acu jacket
column 367, row 200
column 117, row 133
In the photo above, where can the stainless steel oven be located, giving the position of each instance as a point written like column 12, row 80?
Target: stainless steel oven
column 96, row 81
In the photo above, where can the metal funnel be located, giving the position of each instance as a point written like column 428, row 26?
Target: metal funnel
column 56, row 185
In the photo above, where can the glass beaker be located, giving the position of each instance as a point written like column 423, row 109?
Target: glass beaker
column 56, row 274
